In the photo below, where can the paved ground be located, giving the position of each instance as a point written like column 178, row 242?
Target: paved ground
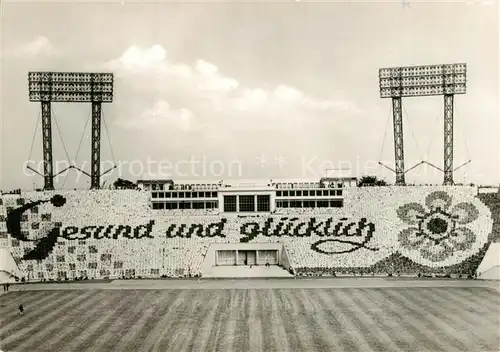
column 359, row 319
column 259, row 284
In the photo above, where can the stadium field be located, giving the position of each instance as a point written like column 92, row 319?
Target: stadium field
column 234, row 320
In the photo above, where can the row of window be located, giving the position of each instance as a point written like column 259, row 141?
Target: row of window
column 302, row 193
column 186, row 205
column 260, row 203
column 308, row 185
column 338, row 203
column 164, row 187
column 288, row 185
column 310, row 193
column 184, row 194
column 247, row 203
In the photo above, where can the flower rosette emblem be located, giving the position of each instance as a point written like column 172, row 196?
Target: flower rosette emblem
column 442, row 233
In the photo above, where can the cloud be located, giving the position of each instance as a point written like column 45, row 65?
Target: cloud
column 137, row 59
column 203, row 90
column 159, row 116
column 287, row 97
column 209, row 78
column 40, row 46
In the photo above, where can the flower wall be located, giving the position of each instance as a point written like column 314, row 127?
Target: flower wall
column 105, row 233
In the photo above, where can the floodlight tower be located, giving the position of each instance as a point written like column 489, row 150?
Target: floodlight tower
column 74, row 87
column 413, row 81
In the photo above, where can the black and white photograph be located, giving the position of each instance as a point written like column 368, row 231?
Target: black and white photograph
column 244, row 176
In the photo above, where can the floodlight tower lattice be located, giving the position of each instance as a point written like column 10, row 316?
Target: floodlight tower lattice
column 76, row 87
column 412, row 81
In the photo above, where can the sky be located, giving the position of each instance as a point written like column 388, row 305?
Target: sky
column 233, row 90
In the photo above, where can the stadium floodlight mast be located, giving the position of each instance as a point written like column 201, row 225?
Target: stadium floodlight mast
column 414, row 81
column 71, row 87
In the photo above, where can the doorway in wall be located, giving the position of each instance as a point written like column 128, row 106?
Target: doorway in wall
column 247, row 257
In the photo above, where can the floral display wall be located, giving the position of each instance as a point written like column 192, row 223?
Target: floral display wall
column 115, row 233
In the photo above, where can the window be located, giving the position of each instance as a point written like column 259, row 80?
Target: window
column 339, row 192
column 318, row 193
column 198, row 205
column 212, row 205
column 162, row 205
column 278, row 194
column 337, row 203
column 263, row 203
column 299, row 193
column 161, row 187
column 309, row 204
column 181, row 195
column 322, row 204
column 207, row 194
column 295, row 204
column 161, row 195
column 168, row 194
column 155, row 194
column 305, row 193
column 247, row 203
column 292, row 193
column 214, row 194
column 229, row 203
column 185, row 205
column 195, row 195
column 285, row 193
column 325, row 192
column 156, row 206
